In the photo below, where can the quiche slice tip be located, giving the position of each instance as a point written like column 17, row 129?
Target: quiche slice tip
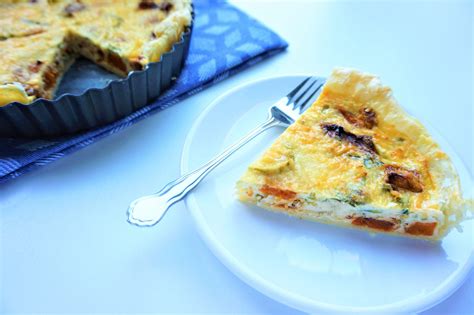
column 356, row 159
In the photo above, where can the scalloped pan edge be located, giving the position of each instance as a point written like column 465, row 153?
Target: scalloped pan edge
column 69, row 113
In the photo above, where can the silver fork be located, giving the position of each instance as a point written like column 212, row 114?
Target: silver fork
column 149, row 210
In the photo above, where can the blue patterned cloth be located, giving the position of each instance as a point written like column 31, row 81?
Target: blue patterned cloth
column 224, row 41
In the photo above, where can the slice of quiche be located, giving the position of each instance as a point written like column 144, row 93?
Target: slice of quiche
column 356, row 159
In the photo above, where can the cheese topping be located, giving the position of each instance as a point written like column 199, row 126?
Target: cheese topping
column 356, row 146
column 38, row 40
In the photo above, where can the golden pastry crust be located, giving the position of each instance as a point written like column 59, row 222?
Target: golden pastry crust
column 31, row 66
column 121, row 36
column 355, row 158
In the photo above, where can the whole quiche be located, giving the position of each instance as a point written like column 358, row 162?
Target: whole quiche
column 39, row 40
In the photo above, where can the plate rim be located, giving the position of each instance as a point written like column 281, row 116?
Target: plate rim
column 277, row 293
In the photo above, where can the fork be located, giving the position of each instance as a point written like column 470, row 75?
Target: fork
column 149, row 210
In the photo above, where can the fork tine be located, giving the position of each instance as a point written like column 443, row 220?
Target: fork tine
column 296, row 101
column 304, row 104
column 296, row 89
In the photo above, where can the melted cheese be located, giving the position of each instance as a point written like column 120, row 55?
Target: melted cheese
column 13, row 91
column 306, row 160
column 31, row 32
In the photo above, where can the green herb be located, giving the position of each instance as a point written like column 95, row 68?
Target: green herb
column 353, row 156
column 386, row 187
column 373, row 211
column 353, row 200
column 113, row 48
column 403, row 201
column 370, row 162
column 28, row 21
column 405, row 211
column 117, row 20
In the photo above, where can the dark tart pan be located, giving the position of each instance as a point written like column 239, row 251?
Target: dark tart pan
column 70, row 113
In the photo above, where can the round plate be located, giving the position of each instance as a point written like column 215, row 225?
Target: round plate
column 306, row 265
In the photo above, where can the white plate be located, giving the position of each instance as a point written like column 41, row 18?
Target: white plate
column 309, row 266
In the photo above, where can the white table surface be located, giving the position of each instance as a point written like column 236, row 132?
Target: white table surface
column 65, row 245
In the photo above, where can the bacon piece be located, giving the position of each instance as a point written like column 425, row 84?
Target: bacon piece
column 282, row 193
column 401, row 178
column 50, row 77
column 35, row 66
column 374, row 223
column 136, row 63
column 364, row 142
column 370, row 118
column 116, row 61
column 147, row 4
column 421, row 228
column 366, row 117
column 100, row 55
column 150, row 4
column 349, row 116
column 165, row 6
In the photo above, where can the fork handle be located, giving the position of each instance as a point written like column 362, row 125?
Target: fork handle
column 148, row 210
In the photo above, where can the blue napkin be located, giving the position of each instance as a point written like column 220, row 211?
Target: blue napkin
column 224, row 41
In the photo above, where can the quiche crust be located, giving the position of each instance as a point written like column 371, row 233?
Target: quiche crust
column 355, row 158
column 40, row 39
